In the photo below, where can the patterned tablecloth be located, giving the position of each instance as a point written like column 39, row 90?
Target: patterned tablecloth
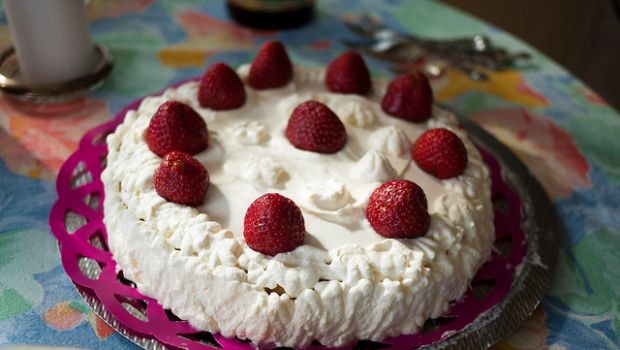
column 566, row 134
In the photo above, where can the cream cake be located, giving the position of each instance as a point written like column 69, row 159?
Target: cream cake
column 345, row 281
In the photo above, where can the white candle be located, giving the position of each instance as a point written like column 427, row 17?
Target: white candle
column 51, row 38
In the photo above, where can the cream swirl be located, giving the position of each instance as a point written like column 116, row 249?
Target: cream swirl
column 262, row 172
column 373, row 167
column 352, row 109
column 391, row 141
column 327, row 195
column 250, row 133
column 331, row 201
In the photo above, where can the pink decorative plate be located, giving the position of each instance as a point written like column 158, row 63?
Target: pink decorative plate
column 503, row 294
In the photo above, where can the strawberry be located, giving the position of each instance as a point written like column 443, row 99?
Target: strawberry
column 440, row 152
column 181, row 179
column 271, row 67
column 221, row 88
column 273, row 224
column 398, row 209
column 176, row 127
column 409, row 97
column 316, row 128
column 348, row 74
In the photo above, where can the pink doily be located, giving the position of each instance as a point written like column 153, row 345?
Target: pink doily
column 83, row 247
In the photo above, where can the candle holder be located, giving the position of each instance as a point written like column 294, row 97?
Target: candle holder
column 15, row 86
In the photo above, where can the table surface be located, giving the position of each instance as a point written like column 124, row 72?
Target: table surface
column 566, row 134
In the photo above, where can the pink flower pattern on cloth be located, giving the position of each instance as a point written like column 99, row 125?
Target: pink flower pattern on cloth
column 36, row 144
column 549, row 151
column 70, row 314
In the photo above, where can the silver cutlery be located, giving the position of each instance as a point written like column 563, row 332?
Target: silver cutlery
column 471, row 55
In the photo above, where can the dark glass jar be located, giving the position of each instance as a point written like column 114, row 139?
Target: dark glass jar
column 271, row 14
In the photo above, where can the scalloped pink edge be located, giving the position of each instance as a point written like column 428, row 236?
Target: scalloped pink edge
column 106, row 287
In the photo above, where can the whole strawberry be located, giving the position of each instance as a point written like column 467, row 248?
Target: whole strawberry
column 221, row 88
column 176, row 127
column 273, row 224
column 314, row 127
column 409, row 97
column 440, row 152
column 348, row 74
column 271, row 67
column 181, row 179
column 398, row 209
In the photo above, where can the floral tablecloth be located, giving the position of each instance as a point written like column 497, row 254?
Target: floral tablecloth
column 566, row 134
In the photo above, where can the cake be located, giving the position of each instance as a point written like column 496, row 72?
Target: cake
column 370, row 234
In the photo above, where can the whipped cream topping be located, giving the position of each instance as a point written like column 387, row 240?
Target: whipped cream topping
column 391, row 141
column 346, row 282
column 328, row 195
column 354, row 111
column 262, row 173
column 373, row 167
column 250, row 133
column 331, row 201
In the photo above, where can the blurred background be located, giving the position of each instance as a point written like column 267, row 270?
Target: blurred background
column 581, row 35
